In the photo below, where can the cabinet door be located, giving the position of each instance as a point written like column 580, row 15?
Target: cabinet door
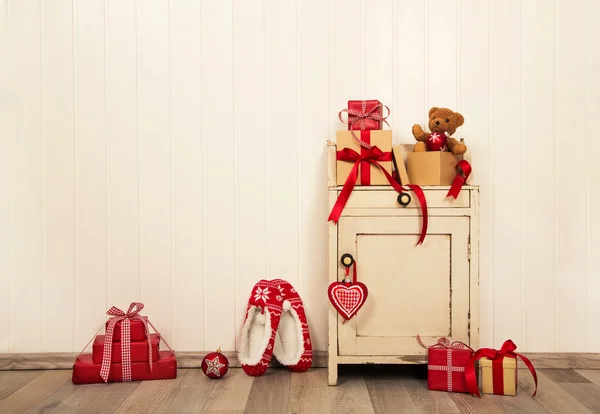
column 412, row 289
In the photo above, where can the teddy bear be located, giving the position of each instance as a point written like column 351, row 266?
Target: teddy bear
column 442, row 124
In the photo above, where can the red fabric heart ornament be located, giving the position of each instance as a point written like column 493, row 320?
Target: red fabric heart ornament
column 347, row 297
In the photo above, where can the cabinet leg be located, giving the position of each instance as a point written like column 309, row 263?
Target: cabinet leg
column 332, row 372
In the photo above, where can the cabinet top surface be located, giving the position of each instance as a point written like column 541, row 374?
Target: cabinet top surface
column 390, row 188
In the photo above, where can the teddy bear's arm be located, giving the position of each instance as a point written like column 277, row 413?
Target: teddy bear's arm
column 418, row 133
column 456, row 147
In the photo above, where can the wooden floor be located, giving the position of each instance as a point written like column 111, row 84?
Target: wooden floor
column 363, row 390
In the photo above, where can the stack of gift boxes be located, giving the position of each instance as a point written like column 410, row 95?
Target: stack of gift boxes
column 365, row 157
column 126, row 356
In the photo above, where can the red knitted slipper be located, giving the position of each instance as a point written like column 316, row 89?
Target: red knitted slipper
column 260, row 326
column 292, row 344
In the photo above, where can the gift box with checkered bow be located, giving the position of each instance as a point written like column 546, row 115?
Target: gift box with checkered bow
column 446, row 362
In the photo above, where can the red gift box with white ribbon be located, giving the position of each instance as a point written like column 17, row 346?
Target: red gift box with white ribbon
column 446, row 362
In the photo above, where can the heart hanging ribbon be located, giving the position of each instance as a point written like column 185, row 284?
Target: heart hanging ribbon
column 348, row 297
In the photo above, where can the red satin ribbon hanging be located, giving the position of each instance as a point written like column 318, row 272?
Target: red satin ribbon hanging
column 496, row 356
column 463, row 170
column 371, row 156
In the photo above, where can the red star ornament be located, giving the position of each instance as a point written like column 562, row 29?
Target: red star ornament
column 215, row 365
column 436, row 142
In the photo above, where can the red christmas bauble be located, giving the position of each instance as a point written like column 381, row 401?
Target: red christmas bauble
column 436, row 142
column 215, row 365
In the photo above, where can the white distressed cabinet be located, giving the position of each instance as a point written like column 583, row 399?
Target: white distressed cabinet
column 430, row 290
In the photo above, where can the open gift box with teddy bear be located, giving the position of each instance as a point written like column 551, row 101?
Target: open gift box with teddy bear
column 435, row 157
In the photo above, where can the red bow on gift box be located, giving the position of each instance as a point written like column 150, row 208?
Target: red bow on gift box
column 496, row 356
column 361, row 116
column 372, row 156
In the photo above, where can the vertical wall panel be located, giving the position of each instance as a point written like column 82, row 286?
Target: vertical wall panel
column 409, row 69
column 281, row 110
column 473, row 103
column 219, row 174
column 592, row 145
column 378, row 37
column 250, row 151
column 58, row 173
column 186, row 150
column 90, row 169
column 313, row 205
column 569, row 124
column 345, row 59
column 26, row 205
column 441, row 54
column 505, row 134
column 538, row 175
column 6, row 134
column 155, row 161
column 122, row 154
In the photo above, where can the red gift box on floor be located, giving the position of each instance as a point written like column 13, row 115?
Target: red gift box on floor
column 139, row 350
column 446, row 364
column 137, row 330
column 86, row 372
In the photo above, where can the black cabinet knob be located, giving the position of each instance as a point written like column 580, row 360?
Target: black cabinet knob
column 404, row 199
column 347, row 259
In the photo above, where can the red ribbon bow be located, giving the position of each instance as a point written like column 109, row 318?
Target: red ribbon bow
column 119, row 315
column 360, row 116
column 507, row 350
column 371, row 156
column 463, row 170
column 445, row 344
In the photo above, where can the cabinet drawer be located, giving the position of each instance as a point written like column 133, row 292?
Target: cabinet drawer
column 389, row 199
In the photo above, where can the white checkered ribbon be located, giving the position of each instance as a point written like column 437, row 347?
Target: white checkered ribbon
column 355, row 116
column 118, row 315
column 444, row 343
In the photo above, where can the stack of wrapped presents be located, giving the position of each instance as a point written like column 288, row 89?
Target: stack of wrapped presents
column 126, row 352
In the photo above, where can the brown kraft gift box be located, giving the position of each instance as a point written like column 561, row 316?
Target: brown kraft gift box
column 431, row 167
column 382, row 139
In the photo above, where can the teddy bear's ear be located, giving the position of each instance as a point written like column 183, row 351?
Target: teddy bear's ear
column 432, row 110
column 459, row 119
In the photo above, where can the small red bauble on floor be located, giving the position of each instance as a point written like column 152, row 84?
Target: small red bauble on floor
column 215, row 365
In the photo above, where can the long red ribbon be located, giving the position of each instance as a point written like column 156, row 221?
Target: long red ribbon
column 463, row 170
column 371, row 156
column 507, row 350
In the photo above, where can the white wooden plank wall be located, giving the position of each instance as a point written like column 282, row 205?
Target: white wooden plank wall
column 173, row 152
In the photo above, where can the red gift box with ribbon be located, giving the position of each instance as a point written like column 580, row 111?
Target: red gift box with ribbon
column 123, row 366
column 137, row 330
column 140, row 352
column 366, row 114
column 446, row 362
column 86, row 372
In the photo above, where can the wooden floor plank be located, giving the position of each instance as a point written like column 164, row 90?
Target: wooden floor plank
column 11, row 381
column 472, row 405
column 591, row 374
column 190, row 395
column 309, row 393
column 550, row 395
column 88, row 398
column 399, row 394
column 563, row 375
column 270, row 393
column 150, row 395
column 587, row 394
column 230, row 393
column 521, row 403
column 34, row 392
